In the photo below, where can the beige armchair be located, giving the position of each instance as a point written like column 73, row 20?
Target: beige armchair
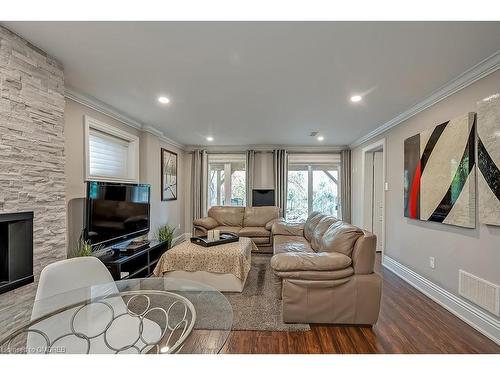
column 252, row 222
column 325, row 271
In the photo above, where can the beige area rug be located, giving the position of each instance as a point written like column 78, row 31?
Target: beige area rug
column 258, row 307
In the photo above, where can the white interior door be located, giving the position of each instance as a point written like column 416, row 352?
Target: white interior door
column 368, row 193
column 378, row 201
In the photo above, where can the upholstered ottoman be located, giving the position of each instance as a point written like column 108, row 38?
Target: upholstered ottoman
column 224, row 267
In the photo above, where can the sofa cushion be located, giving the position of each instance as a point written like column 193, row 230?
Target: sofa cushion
column 311, row 222
column 286, row 229
column 259, row 216
column 254, row 232
column 307, row 261
column 206, row 222
column 316, row 275
column 229, row 216
column 340, row 237
column 227, row 228
column 262, row 240
column 285, row 244
column 270, row 224
column 320, row 229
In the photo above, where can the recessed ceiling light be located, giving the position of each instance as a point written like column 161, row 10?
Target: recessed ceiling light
column 356, row 98
column 163, row 100
column 210, row 139
column 321, row 138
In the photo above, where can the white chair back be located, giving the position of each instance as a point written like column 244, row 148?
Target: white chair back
column 74, row 275
column 71, row 274
column 71, row 281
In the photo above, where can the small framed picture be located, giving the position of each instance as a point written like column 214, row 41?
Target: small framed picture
column 168, row 175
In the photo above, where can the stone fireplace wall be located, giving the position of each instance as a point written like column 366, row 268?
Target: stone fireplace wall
column 32, row 158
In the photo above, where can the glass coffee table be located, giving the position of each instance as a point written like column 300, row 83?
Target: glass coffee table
column 146, row 316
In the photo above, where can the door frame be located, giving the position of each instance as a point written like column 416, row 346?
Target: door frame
column 375, row 146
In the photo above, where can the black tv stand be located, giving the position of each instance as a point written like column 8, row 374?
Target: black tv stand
column 139, row 264
column 132, row 247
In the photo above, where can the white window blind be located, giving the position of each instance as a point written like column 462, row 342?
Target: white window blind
column 318, row 159
column 108, row 155
column 112, row 154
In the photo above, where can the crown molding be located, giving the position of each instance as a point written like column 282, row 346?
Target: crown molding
column 478, row 71
column 99, row 106
column 158, row 133
column 266, row 148
column 105, row 109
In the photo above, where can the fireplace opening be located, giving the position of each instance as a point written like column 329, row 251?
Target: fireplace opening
column 16, row 250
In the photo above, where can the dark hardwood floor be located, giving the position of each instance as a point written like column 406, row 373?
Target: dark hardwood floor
column 409, row 322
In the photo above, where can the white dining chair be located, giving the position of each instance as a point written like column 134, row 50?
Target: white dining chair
column 75, row 280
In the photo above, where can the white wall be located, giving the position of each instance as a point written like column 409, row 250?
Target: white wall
column 412, row 242
column 171, row 212
column 162, row 212
column 263, row 170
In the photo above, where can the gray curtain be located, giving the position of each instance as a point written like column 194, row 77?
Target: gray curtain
column 199, row 171
column 280, row 159
column 345, row 185
column 250, row 174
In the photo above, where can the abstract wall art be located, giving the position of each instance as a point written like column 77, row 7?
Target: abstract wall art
column 439, row 173
column 488, row 143
column 168, row 175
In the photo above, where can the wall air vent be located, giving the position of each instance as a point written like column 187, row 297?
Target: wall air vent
column 481, row 292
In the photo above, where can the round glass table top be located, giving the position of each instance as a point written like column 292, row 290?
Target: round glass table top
column 152, row 315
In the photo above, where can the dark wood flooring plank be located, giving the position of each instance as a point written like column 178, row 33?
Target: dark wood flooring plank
column 374, row 339
column 239, row 342
column 279, row 343
column 326, row 341
column 362, row 344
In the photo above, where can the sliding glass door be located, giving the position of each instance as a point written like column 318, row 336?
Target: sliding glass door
column 312, row 188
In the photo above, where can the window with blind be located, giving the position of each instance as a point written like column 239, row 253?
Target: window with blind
column 112, row 154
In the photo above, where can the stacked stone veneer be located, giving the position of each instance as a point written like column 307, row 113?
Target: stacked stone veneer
column 31, row 158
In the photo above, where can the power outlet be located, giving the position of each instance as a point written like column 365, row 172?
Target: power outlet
column 432, row 262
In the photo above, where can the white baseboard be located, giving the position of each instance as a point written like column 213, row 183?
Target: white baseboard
column 470, row 314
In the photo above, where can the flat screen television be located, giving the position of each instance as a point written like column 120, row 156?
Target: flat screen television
column 262, row 197
column 116, row 212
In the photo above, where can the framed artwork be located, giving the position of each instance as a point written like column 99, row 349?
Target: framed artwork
column 168, row 175
column 439, row 173
column 488, row 144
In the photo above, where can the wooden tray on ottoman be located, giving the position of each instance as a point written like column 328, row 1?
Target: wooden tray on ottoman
column 223, row 238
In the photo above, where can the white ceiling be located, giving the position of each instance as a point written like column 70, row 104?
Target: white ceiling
column 250, row 83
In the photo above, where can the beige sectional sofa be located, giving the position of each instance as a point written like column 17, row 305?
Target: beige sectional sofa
column 325, row 271
column 252, row 222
